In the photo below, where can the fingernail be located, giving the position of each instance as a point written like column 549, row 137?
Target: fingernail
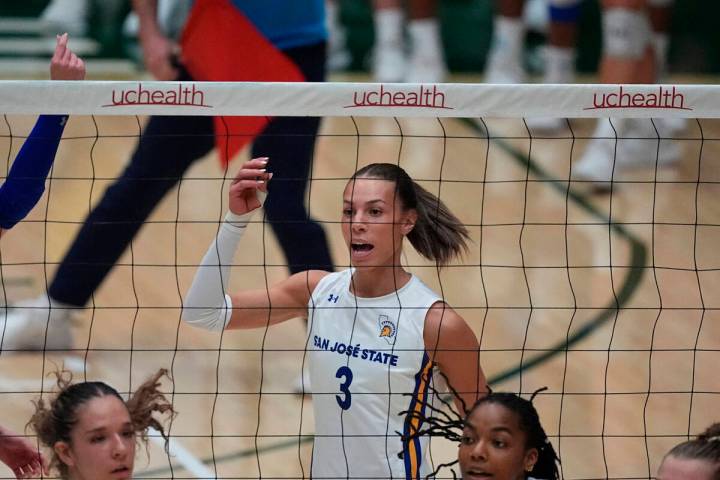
column 271, row 175
column 261, row 181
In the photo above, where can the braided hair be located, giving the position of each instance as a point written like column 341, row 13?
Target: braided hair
column 447, row 423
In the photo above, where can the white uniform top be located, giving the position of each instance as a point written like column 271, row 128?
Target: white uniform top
column 367, row 363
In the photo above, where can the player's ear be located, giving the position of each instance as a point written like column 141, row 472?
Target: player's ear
column 62, row 450
column 409, row 220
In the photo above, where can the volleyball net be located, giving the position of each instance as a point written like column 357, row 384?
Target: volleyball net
column 597, row 281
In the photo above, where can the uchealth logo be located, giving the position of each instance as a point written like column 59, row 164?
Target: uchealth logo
column 423, row 96
column 185, row 95
column 662, row 98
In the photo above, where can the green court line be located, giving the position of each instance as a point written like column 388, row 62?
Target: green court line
column 635, row 273
column 632, row 280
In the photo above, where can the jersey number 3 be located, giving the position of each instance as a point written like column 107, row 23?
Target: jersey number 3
column 346, row 374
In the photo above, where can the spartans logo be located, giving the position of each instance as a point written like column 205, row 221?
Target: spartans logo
column 387, row 329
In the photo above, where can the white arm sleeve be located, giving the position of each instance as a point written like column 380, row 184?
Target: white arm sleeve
column 206, row 304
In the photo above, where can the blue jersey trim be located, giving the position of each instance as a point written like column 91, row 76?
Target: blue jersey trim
column 413, row 449
column 565, row 14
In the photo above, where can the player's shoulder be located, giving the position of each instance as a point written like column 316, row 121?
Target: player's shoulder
column 442, row 317
column 306, row 281
column 331, row 280
column 441, row 311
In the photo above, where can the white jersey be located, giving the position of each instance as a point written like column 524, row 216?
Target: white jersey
column 367, row 364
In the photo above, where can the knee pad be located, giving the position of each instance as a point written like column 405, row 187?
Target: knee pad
column 564, row 10
column 626, row 33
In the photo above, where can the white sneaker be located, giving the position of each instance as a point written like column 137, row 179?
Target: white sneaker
column 33, row 325
column 639, row 145
column 388, row 64
column 595, row 167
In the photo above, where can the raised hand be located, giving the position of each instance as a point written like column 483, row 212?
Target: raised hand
column 21, row 456
column 65, row 65
column 249, row 186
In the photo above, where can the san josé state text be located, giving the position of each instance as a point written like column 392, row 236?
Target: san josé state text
column 355, row 351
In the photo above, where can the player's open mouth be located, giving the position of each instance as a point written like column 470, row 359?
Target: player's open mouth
column 362, row 247
column 361, row 250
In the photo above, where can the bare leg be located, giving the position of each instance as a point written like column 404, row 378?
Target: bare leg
column 620, row 68
column 629, row 57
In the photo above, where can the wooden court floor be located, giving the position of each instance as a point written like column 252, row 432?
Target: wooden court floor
column 545, row 270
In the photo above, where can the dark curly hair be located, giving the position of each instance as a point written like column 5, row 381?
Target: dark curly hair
column 447, row 423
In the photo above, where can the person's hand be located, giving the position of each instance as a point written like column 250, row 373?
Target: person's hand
column 22, row 457
column 158, row 51
column 65, row 65
column 249, row 185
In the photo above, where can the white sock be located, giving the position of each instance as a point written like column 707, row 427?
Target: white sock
column 508, row 35
column 660, row 41
column 425, row 37
column 559, row 64
column 388, row 26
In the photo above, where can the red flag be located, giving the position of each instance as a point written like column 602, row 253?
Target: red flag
column 220, row 44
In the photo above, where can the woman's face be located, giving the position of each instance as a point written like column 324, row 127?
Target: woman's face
column 373, row 222
column 677, row 468
column 102, row 442
column 493, row 445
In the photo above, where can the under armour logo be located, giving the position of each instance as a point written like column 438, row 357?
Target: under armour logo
column 333, row 298
column 63, row 120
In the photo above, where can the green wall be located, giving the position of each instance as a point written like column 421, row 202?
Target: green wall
column 467, row 25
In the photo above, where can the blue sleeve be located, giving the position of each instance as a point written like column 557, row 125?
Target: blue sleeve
column 25, row 182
